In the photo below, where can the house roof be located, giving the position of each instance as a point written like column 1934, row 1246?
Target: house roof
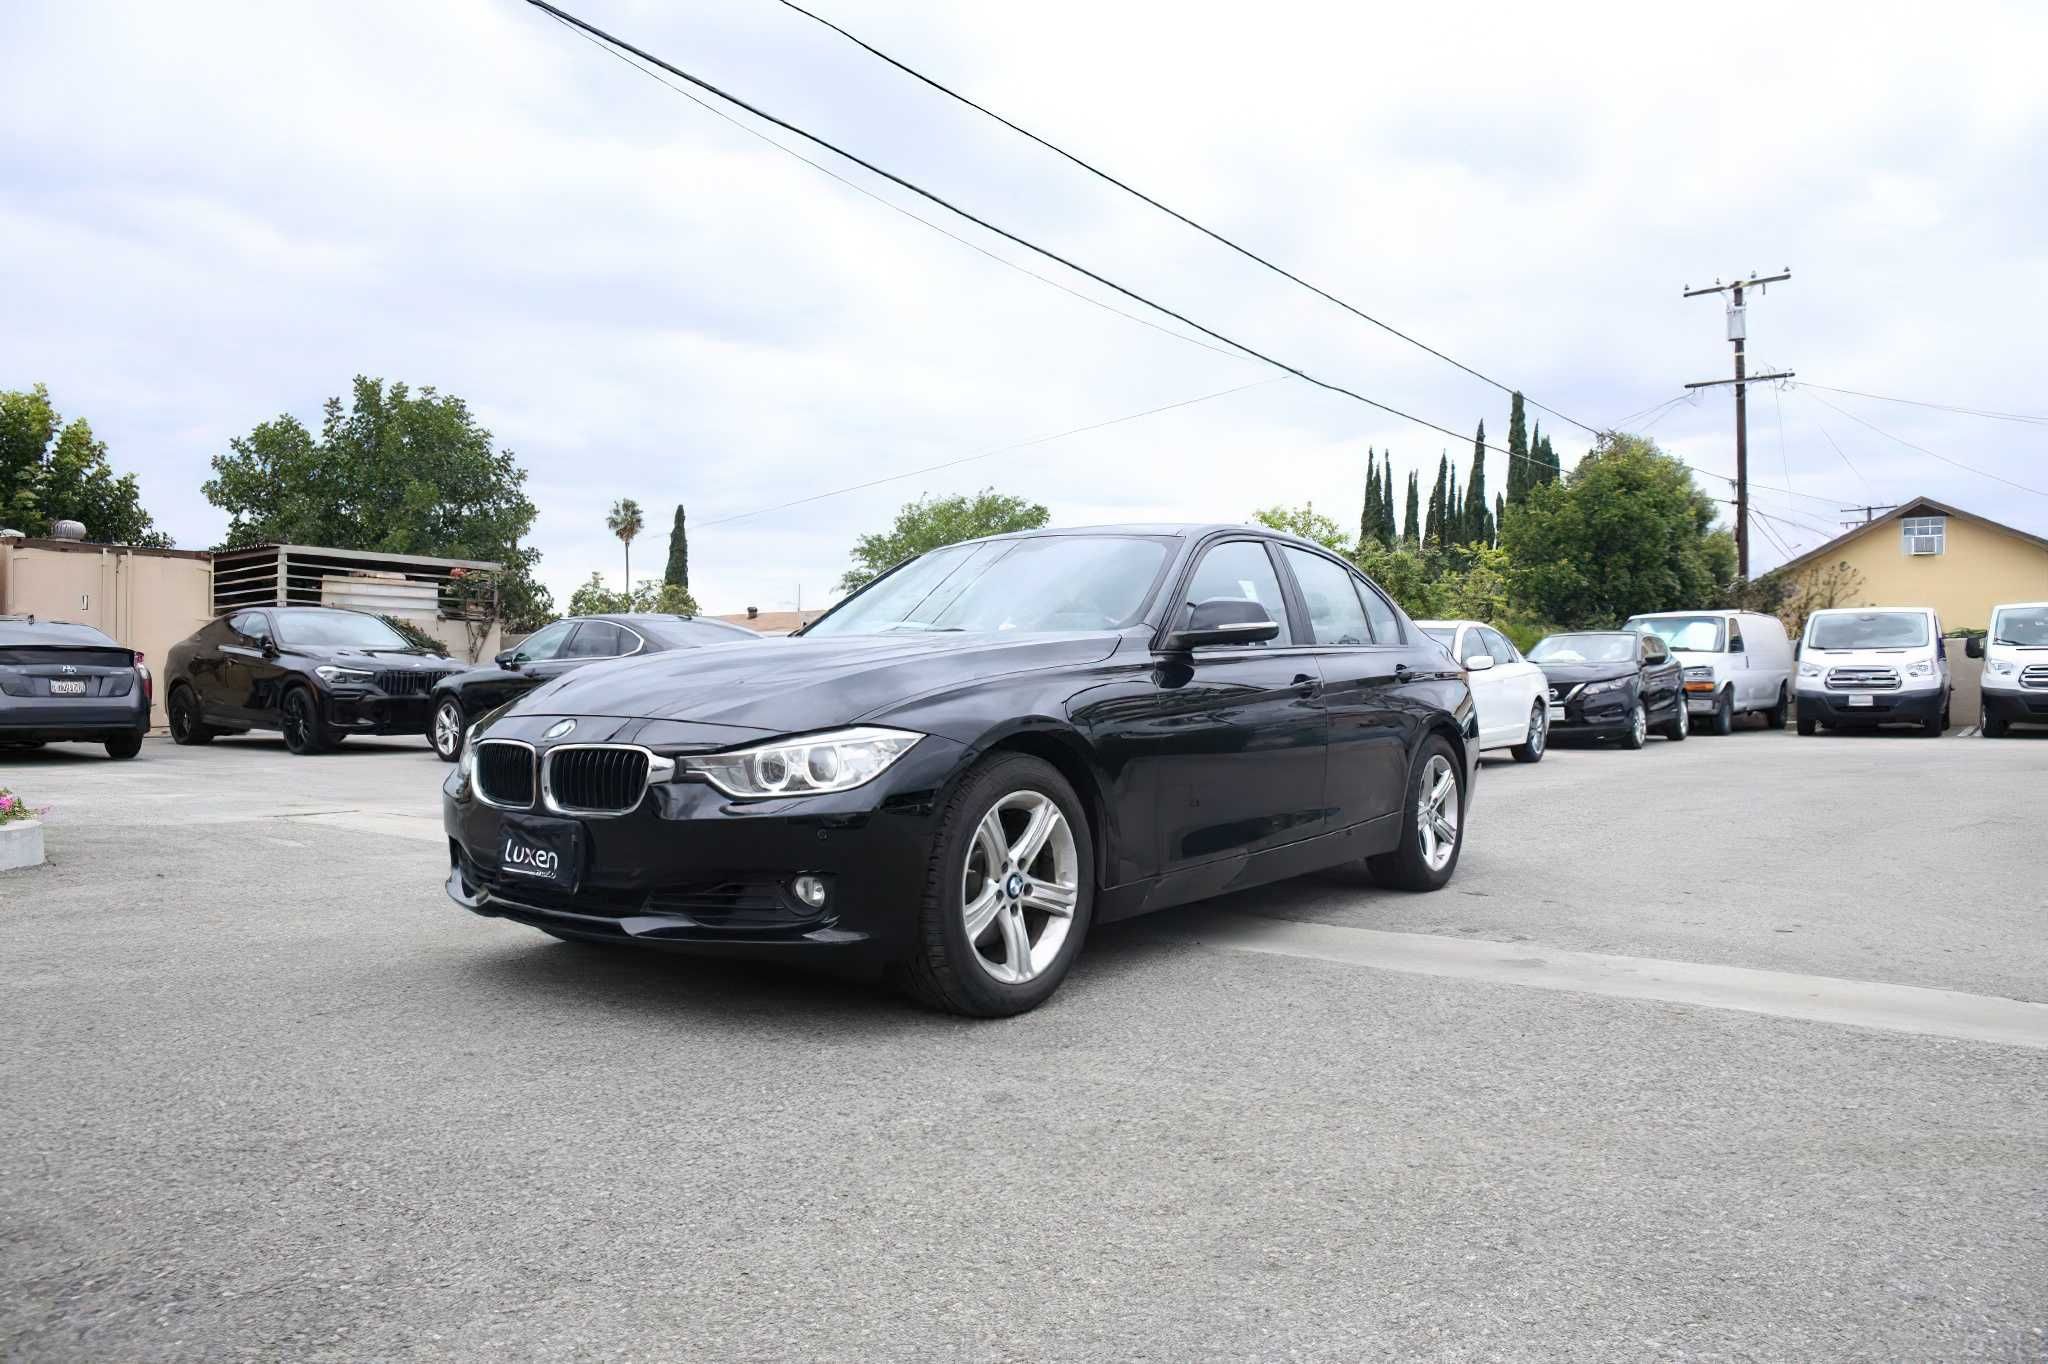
column 773, row 622
column 1917, row 506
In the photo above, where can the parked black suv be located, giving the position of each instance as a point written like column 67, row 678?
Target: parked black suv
column 555, row 649
column 317, row 674
column 69, row 683
column 1613, row 684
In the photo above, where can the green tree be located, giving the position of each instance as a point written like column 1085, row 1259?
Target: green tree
column 1411, row 531
column 1390, row 529
column 1478, row 517
column 397, row 471
column 625, row 521
column 1454, row 513
column 1369, row 519
column 1308, row 523
column 595, row 598
column 52, row 470
column 1520, row 462
column 1433, row 536
column 1626, row 532
column 677, row 573
column 928, row 523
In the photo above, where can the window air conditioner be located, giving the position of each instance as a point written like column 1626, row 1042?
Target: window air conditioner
column 1923, row 544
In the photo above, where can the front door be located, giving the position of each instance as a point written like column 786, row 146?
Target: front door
column 1663, row 685
column 246, row 673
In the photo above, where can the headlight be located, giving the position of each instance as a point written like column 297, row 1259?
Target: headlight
column 818, row 763
column 1612, row 684
column 331, row 673
column 1699, row 674
column 1811, row 670
column 1924, row 668
column 2001, row 667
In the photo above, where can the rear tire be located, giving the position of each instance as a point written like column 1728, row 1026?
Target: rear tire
column 1432, row 815
column 447, row 730
column 1011, row 875
column 1774, row 718
column 298, row 716
column 187, row 729
column 127, row 746
column 1530, row 750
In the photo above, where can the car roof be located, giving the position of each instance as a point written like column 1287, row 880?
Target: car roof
column 1871, row 610
column 1183, row 530
column 29, row 630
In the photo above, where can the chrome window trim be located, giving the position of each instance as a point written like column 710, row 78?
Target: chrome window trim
column 476, row 784
column 660, row 771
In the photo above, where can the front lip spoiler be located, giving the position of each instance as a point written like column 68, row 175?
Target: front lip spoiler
column 656, row 929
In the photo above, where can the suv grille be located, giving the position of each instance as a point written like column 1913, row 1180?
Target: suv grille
column 2035, row 675
column 504, row 773
column 596, row 779
column 1863, row 679
column 407, row 682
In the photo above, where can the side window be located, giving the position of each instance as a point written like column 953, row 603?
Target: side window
column 596, row 639
column 1497, row 645
column 251, row 625
column 545, row 643
column 1386, row 626
column 1734, row 638
column 1334, row 613
column 1240, row 570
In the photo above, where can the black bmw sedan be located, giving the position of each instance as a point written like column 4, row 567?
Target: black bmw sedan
column 1612, row 684
column 316, row 674
column 964, row 765
column 552, row 650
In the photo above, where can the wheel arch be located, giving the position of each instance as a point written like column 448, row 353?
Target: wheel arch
column 1067, row 753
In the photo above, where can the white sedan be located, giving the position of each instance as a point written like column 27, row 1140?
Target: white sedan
column 1508, row 690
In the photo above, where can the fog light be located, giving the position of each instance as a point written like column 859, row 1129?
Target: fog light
column 809, row 889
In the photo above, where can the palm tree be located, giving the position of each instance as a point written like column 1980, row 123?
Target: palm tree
column 625, row 522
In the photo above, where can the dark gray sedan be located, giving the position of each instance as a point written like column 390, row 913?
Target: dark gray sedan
column 64, row 683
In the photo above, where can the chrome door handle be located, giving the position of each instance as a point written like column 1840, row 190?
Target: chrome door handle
column 1306, row 686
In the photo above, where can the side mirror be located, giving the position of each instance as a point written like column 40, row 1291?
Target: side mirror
column 1479, row 663
column 1973, row 647
column 509, row 661
column 1223, row 620
column 269, row 647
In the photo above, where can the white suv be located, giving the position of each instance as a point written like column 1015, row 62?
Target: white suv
column 2015, row 654
column 1866, row 666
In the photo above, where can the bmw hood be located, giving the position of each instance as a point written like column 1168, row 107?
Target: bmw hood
column 1586, row 672
column 413, row 660
column 791, row 686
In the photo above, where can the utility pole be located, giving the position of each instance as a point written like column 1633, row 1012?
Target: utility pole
column 1737, row 333
column 1868, row 513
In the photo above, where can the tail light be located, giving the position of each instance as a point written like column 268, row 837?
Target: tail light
column 148, row 682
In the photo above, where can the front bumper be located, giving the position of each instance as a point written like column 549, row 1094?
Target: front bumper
column 1601, row 713
column 1885, row 708
column 2022, row 706
column 35, row 719
column 364, row 710
column 693, row 868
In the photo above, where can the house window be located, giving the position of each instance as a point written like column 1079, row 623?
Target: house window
column 1923, row 534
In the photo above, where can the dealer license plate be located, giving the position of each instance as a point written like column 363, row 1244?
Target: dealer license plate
column 546, row 851
column 1557, row 712
column 1856, row 701
column 67, row 689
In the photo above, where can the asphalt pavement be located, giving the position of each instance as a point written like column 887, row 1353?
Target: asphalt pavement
column 269, row 1095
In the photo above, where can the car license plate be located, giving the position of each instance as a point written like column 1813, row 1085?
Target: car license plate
column 546, row 851
column 1856, row 701
column 1557, row 712
column 67, row 689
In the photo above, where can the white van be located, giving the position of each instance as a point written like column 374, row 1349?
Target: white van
column 1735, row 661
column 2015, row 653
column 1864, row 666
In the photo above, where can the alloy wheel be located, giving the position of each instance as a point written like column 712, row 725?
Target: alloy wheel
column 1436, row 812
column 1539, row 728
column 448, row 729
column 1020, row 886
column 181, row 716
column 296, row 723
column 1640, row 725
column 1684, row 717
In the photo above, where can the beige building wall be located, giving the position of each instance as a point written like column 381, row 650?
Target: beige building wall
column 1979, row 566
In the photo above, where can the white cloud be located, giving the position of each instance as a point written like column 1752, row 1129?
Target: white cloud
column 230, row 211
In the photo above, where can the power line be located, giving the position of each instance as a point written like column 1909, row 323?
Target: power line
column 985, row 454
column 2028, row 417
column 825, row 170
column 1210, row 233
column 1981, row 473
column 1005, row 233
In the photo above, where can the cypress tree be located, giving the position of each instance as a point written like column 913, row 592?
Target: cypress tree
column 1519, row 463
column 1548, row 471
column 1412, row 534
column 1433, row 535
column 1500, row 514
column 1390, row 529
column 1454, row 511
column 1478, row 509
column 678, row 572
column 1369, row 516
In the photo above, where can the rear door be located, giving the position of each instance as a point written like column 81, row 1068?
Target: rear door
column 1368, row 768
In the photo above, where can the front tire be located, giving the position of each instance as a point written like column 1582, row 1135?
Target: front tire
column 1993, row 726
column 1433, row 835
column 446, row 731
column 1681, row 724
column 127, row 746
column 1009, row 892
column 1808, row 726
column 1531, row 749
column 305, row 733
column 1638, row 728
column 187, row 729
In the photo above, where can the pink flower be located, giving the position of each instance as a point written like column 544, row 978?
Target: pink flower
column 6, row 804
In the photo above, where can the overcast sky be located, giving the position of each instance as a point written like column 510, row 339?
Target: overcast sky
column 214, row 213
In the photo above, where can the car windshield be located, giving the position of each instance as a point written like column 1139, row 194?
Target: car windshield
column 1683, row 634
column 1868, row 630
column 2025, row 626
column 1053, row 582
column 1601, row 648
column 336, row 630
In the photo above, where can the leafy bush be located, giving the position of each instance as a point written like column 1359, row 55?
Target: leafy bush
column 13, row 809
